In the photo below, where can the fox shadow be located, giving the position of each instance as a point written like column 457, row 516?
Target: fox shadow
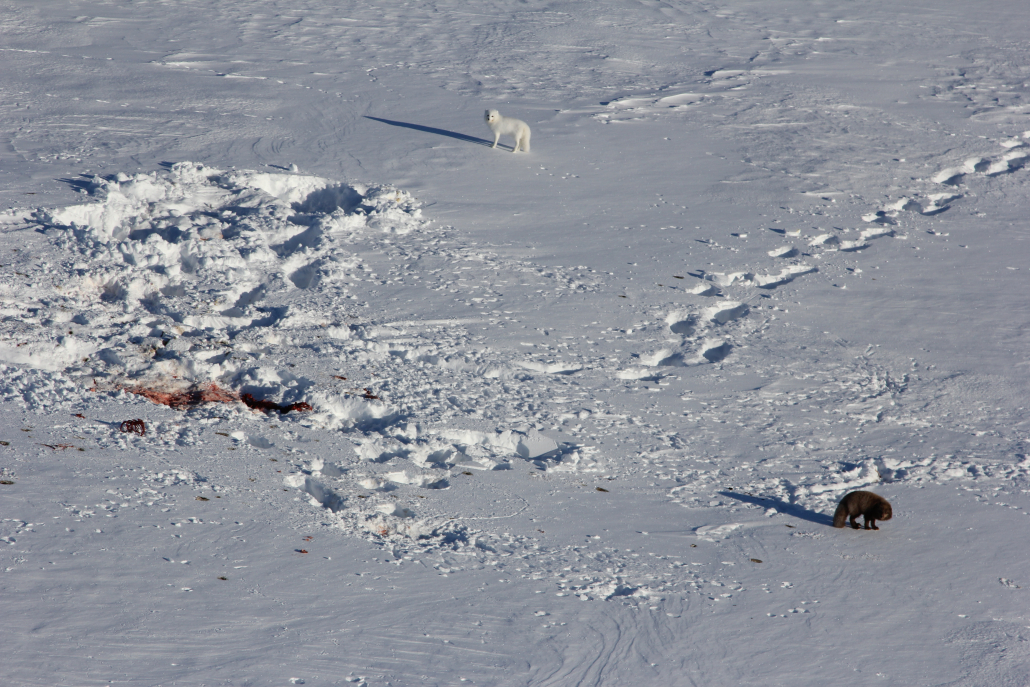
column 790, row 509
column 433, row 130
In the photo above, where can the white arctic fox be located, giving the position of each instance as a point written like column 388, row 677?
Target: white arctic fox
column 508, row 125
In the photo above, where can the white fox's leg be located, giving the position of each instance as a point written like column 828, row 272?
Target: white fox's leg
column 497, row 137
column 518, row 142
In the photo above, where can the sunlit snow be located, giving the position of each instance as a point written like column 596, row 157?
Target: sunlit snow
column 303, row 383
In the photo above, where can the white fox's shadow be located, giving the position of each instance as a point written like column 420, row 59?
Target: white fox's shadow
column 433, row 130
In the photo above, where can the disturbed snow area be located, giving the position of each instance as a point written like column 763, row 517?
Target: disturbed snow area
column 416, row 412
column 191, row 279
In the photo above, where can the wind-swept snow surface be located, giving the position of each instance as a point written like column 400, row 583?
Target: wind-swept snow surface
column 304, row 384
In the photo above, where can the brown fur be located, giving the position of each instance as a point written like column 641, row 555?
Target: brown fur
column 871, row 506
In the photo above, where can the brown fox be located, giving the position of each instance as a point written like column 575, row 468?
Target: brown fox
column 872, row 506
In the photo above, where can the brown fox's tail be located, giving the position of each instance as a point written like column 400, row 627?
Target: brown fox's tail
column 840, row 516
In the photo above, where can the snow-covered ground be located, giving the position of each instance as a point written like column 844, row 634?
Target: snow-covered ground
column 419, row 412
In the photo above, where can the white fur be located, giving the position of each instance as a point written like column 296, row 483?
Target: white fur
column 508, row 125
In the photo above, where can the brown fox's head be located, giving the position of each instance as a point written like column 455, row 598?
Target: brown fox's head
column 885, row 511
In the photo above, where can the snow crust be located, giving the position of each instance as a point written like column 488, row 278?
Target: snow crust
column 414, row 412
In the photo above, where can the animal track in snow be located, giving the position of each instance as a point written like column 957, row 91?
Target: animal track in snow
column 712, row 350
column 936, row 204
column 726, row 311
column 728, row 278
column 951, row 175
column 703, row 289
column 1016, row 158
column 1009, row 162
column 784, row 252
column 769, row 281
column 717, row 85
column 715, row 350
column 681, row 323
column 880, row 217
column 661, row 358
column 876, row 233
column 320, row 494
column 550, row 368
column 825, row 240
column 788, row 274
column 679, row 100
column 638, row 373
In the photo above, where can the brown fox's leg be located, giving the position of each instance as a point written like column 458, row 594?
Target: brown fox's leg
column 854, row 525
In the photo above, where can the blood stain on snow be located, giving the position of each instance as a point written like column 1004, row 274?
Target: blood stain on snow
column 212, row 393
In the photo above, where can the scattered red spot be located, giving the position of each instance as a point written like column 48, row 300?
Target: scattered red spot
column 309, row 538
column 301, row 550
column 181, row 400
column 58, row 446
column 134, row 427
column 369, row 394
column 79, row 415
column 212, row 393
column 338, row 377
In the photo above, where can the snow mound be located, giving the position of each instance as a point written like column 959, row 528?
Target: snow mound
column 180, row 279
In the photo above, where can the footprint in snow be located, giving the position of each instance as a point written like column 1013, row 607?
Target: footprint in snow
column 726, row 312
column 880, row 217
column 681, row 323
column 715, row 351
column 771, row 281
column 784, row 252
column 936, row 204
column 1016, row 158
column 703, row 289
column 953, row 175
column 663, row 357
column 1009, row 162
column 687, row 325
column 639, row 374
column 825, row 241
column 307, row 277
column 710, row 351
column 550, row 368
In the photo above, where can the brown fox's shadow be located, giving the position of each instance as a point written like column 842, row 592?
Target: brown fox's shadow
column 790, row 509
